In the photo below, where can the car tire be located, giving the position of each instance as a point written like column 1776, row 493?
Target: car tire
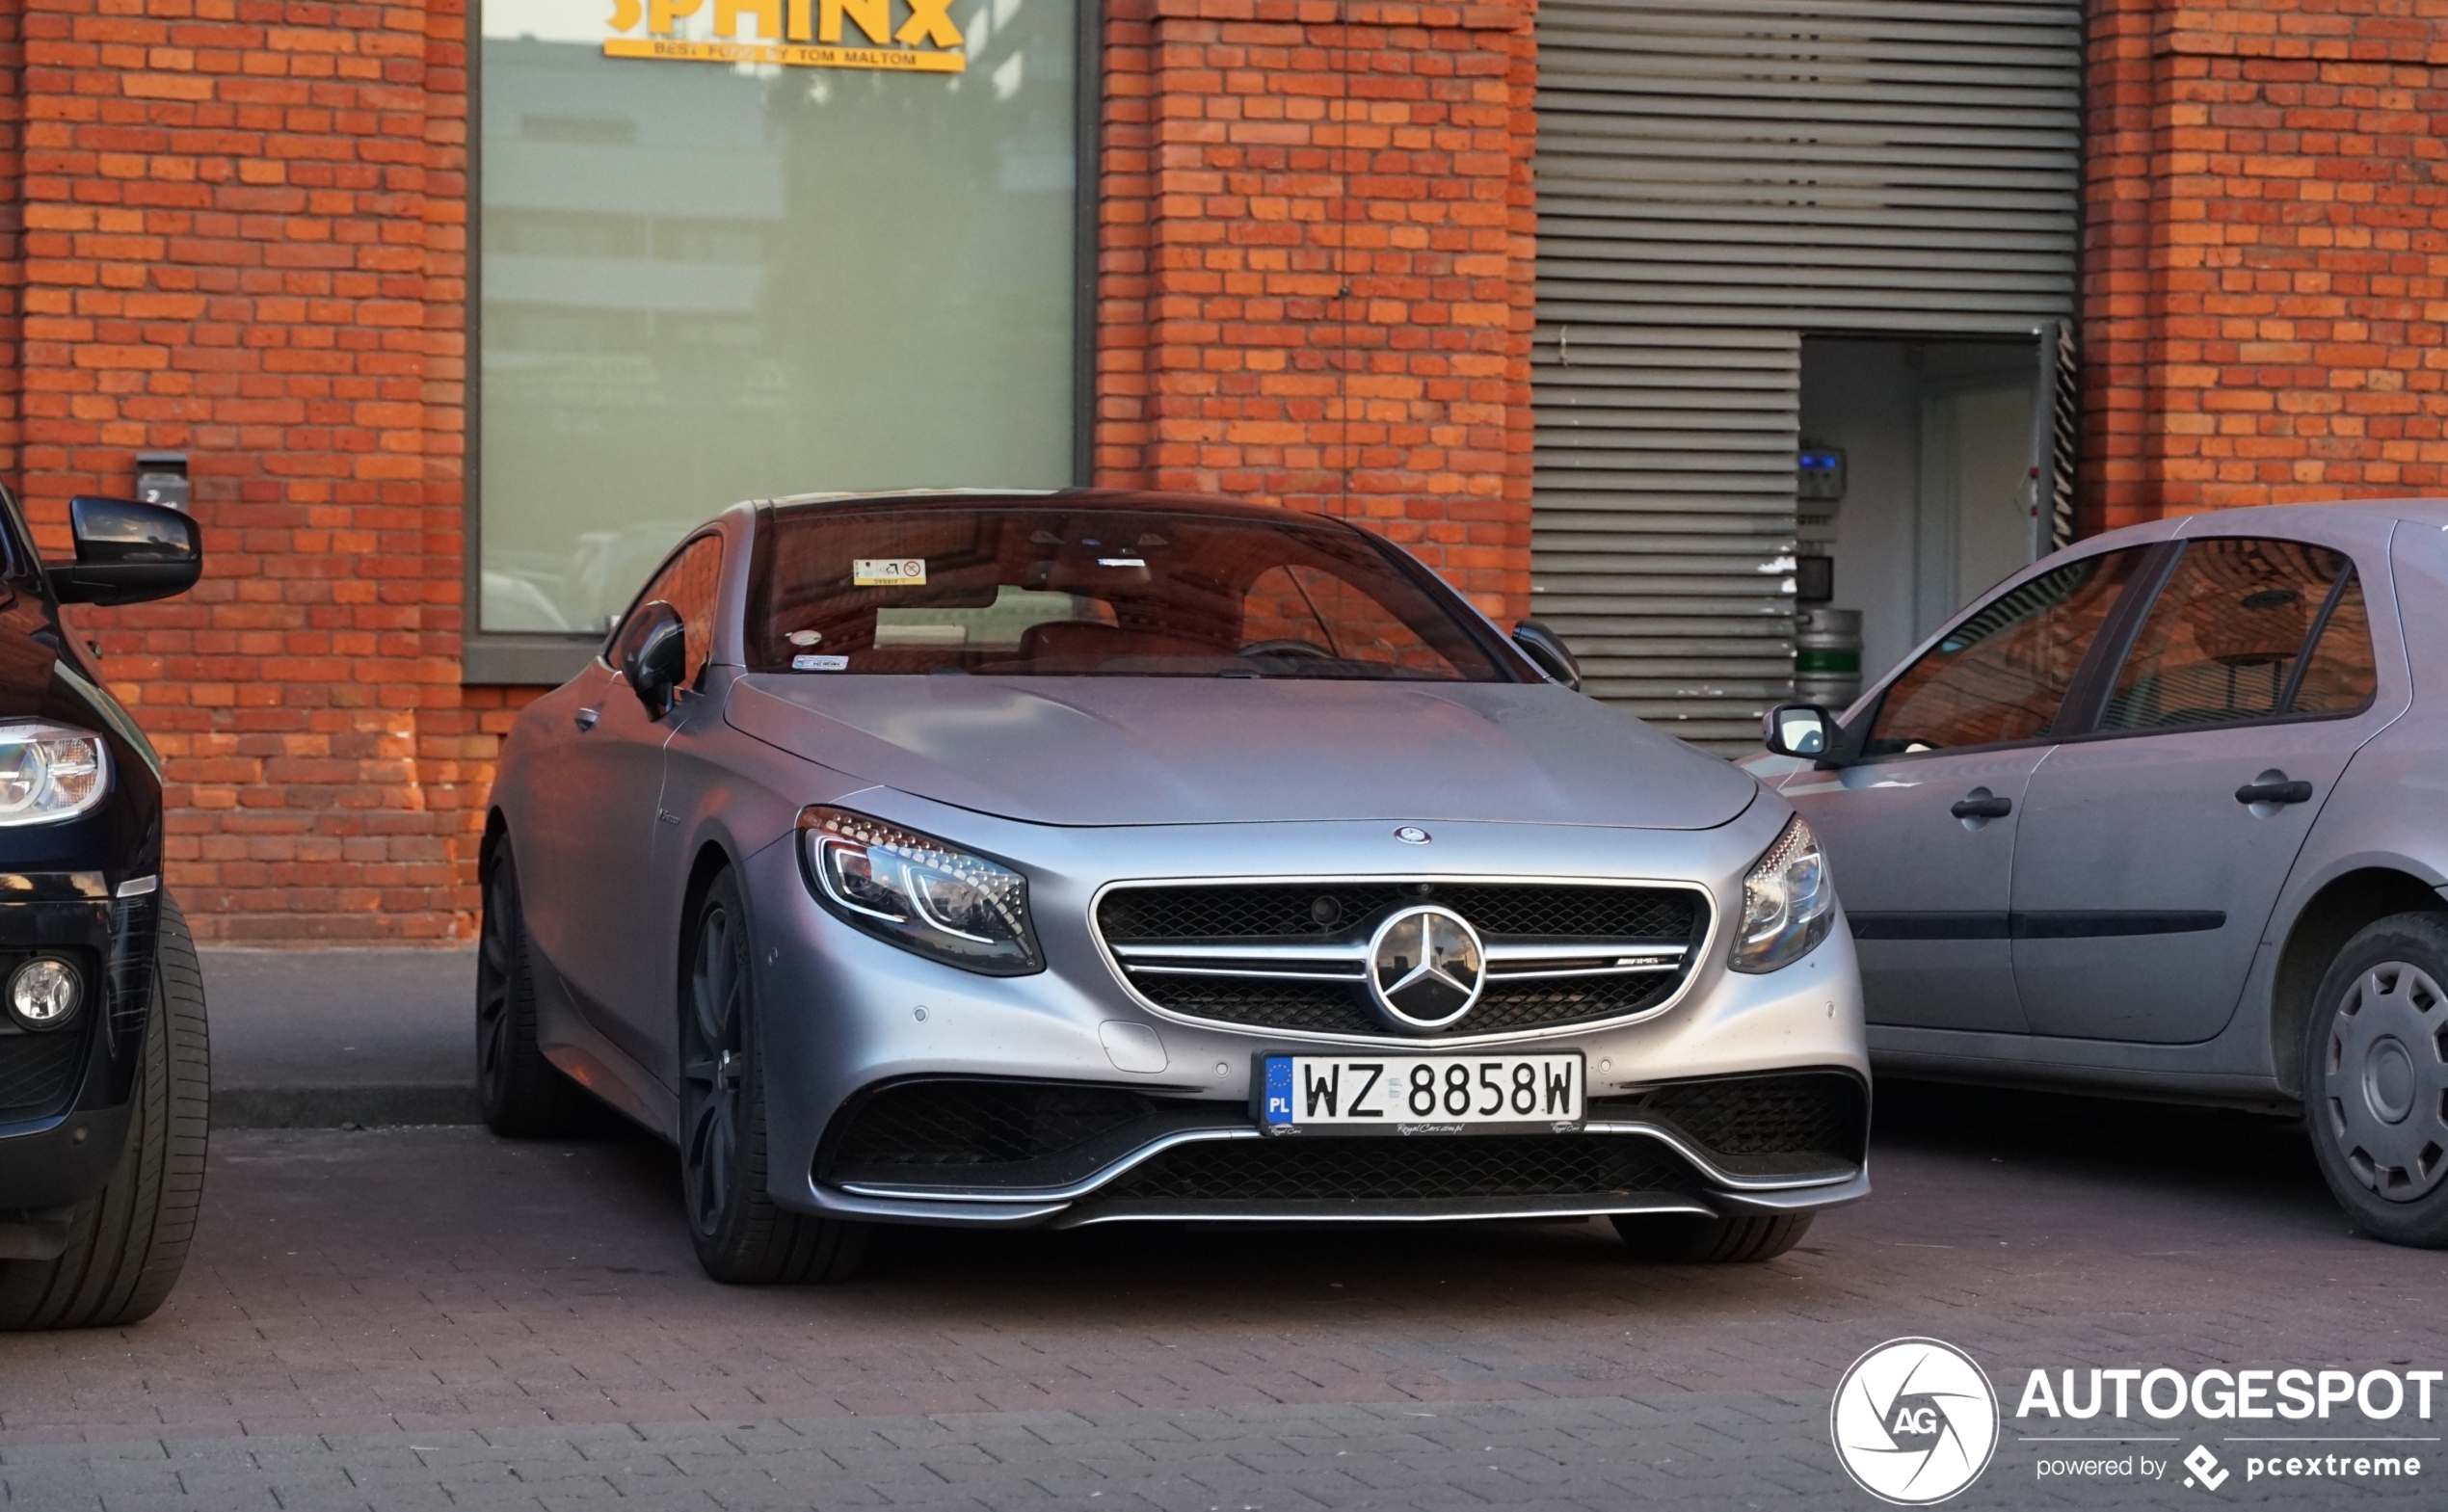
column 743, row 1237
column 519, row 1094
column 128, row 1241
column 2376, row 1079
column 1690, row 1239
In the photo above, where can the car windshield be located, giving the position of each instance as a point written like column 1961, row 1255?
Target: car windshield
column 1043, row 590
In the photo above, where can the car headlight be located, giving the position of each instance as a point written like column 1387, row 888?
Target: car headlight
column 919, row 893
column 49, row 772
column 1787, row 903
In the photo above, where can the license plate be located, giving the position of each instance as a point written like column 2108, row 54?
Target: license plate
column 1419, row 1094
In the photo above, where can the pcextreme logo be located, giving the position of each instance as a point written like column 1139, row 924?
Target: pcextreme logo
column 1914, row 1421
column 805, row 34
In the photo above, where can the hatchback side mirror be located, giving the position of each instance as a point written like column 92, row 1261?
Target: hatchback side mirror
column 127, row 552
column 1798, row 730
column 654, row 653
column 1546, row 649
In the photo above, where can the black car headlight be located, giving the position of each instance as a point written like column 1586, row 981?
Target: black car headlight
column 919, row 892
column 1788, row 904
column 49, row 772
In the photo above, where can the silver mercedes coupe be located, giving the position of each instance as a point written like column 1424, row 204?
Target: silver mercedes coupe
column 1011, row 859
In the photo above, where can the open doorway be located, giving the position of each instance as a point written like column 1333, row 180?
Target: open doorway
column 1919, row 483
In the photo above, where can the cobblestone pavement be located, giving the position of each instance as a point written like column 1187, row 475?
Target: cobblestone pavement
column 432, row 1317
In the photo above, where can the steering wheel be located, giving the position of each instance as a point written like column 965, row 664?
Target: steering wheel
column 1308, row 649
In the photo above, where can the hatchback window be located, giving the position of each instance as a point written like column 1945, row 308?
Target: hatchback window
column 2225, row 642
column 2001, row 674
column 1042, row 590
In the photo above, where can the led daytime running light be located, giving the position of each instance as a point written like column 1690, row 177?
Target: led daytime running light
column 919, row 893
column 1789, row 903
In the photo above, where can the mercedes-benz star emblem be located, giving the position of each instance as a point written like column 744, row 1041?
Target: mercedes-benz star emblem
column 1425, row 967
column 1412, row 834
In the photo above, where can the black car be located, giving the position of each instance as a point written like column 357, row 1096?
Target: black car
column 105, row 1085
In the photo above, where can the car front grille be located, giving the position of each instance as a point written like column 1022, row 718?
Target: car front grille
column 1758, row 1125
column 1427, row 1168
column 973, row 1133
column 1291, row 956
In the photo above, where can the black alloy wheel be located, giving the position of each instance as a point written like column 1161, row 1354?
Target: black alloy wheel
column 2376, row 1079
column 1685, row 1239
column 742, row 1235
column 520, row 1094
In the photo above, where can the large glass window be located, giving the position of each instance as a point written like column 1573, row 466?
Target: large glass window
column 709, row 281
column 2225, row 639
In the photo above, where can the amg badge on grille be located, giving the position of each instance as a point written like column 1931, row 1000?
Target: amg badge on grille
column 1425, row 968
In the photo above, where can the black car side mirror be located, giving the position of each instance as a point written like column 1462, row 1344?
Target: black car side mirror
column 1546, row 649
column 655, row 656
column 127, row 552
column 1798, row 730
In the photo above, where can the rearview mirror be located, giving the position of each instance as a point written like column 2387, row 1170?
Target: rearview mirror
column 127, row 552
column 1798, row 730
column 1546, row 649
column 654, row 653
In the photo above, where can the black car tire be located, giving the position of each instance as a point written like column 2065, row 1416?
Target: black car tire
column 519, row 1093
column 2374, row 1041
column 1690, row 1239
column 743, row 1237
column 128, row 1241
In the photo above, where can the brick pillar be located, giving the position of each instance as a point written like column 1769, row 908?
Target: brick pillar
column 243, row 239
column 2265, row 294
column 1316, row 266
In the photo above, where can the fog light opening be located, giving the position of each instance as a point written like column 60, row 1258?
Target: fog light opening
column 45, row 993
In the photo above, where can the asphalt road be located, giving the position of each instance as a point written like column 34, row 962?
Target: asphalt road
column 428, row 1317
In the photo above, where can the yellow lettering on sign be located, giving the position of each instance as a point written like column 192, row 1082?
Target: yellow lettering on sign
column 875, row 17
column 802, row 30
column 625, row 15
column 927, row 20
column 661, row 13
column 768, row 14
column 891, row 60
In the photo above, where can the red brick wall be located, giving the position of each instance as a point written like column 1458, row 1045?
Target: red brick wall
column 1316, row 266
column 2265, row 263
column 245, row 238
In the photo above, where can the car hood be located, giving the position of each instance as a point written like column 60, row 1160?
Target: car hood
column 1096, row 751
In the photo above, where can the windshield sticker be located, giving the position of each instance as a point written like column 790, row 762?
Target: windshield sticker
column 820, row 664
column 804, row 637
column 871, row 571
column 1119, row 561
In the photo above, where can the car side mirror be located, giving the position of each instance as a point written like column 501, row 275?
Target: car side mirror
column 655, row 656
column 1804, row 731
column 1546, row 649
column 127, row 552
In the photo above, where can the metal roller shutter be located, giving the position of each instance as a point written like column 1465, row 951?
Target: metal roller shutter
column 1715, row 179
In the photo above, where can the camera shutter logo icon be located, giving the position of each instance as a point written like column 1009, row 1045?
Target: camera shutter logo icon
column 1914, row 1421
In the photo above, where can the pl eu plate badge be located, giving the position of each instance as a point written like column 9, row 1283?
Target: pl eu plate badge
column 1278, row 1113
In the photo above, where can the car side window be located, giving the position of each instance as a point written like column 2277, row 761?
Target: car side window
column 2226, row 641
column 2001, row 674
column 689, row 583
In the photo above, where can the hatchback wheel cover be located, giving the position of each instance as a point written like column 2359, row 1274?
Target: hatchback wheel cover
column 2385, row 1076
column 711, row 1067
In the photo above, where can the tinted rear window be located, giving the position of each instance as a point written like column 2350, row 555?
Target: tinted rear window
column 1046, row 590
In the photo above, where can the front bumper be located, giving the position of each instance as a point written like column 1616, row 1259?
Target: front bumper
column 63, row 1094
column 845, row 1017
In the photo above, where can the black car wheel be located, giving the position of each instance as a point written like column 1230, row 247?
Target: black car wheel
column 2375, row 1072
column 1691, row 1239
column 742, row 1235
column 520, row 1094
column 128, row 1242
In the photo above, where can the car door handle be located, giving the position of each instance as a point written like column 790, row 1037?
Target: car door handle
column 2276, row 792
column 1983, row 805
column 585, row 718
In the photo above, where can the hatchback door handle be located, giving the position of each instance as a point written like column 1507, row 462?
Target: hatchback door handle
column 2277, row 790
column 586, row 718
column 1983, row 805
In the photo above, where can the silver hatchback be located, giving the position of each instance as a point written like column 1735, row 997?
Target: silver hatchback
column 2162, row 814
column 1002, row 860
